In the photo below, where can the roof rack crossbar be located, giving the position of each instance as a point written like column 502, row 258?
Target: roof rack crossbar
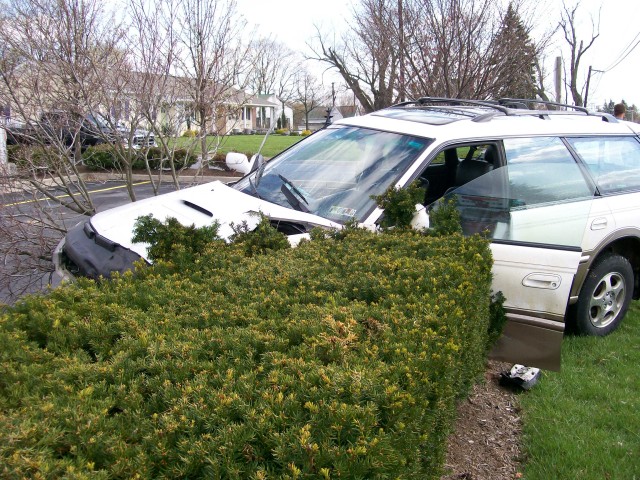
column 547, row 103
column 463, row 101
column 507, row 106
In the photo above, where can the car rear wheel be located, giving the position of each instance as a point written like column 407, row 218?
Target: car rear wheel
column 605, row 296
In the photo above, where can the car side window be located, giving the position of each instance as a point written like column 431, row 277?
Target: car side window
column 614, row 162
column 536, row 193
column 541, row 170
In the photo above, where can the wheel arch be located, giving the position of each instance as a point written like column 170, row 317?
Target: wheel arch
column 627, row 246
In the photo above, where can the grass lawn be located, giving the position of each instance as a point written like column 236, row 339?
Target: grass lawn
column 243, row 143
column 584, row 422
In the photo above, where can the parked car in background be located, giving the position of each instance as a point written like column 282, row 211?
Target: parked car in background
column 556, row 188
column 59, row 127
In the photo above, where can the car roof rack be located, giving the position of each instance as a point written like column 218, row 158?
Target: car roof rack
column 506, row 106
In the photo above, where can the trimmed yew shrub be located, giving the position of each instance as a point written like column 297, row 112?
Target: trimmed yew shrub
column 105, row 157
column 101, row 157
column 341, row 358
column 35, row 158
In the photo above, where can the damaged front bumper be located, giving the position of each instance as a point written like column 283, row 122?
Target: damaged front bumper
column 84, row 252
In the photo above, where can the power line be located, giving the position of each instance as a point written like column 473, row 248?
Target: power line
column 624, row 55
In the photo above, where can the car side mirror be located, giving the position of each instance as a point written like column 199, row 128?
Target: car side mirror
column 238, row 162
column 256, row 162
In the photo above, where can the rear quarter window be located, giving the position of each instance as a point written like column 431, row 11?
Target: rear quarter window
column 541, row 170
column 614, row 162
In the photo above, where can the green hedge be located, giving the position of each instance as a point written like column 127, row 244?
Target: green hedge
column 104, row 157
column 341, row 358
column 35, row 157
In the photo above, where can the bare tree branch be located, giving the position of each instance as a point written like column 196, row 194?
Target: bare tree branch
column 577, row 47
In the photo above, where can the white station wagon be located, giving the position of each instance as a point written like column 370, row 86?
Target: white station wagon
column 558, row 190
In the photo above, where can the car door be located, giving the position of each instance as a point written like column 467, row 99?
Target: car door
column 535, row 204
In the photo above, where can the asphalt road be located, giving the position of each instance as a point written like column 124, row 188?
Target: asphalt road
column 105, row 195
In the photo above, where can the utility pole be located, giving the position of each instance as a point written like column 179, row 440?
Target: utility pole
column 3, row 149
column 333, row 95
column 558, row 79
column 329, row 110
column 586, row 90
column 586, row 93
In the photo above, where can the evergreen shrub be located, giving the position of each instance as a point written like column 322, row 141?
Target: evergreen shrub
column 183, row 157
column 101, row 157
column 105, row 157
column 35, row 157
column 341, row 358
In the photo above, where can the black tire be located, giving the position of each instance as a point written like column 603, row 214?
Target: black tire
column 605, row 296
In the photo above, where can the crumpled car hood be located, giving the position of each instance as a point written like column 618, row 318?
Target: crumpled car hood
column 200, row 206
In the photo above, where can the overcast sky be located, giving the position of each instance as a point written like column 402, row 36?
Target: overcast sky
column 292, row 22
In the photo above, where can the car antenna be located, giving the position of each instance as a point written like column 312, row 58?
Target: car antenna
column 257, row 161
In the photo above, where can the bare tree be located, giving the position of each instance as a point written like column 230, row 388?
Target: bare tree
column 309, row 94
column 55, row 55
column 467, row 49
column 446, row 48
column 212, row 60
column 367, row 57
column 273, row 69
column 30, row 228
column 152, row 88
column 577, row 48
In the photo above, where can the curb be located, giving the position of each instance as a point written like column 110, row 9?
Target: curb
column 141, row 177
column 13, row 184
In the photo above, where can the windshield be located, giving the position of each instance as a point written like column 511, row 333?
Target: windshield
column 335, row 172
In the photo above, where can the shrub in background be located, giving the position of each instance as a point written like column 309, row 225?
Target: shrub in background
column 34, row 157
column 341, row 358
column 104, row 157
column 219, row 157
column 101, row 157
column 183, row 157
column 306, row 133
column 190, row 133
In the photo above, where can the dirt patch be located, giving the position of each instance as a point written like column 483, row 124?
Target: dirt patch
column 486, row 441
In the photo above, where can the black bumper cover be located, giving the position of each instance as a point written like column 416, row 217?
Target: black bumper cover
column 89, row 254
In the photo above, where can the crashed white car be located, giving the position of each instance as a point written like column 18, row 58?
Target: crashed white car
column 558, row 191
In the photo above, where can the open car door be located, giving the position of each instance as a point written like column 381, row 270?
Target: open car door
column 535, row 203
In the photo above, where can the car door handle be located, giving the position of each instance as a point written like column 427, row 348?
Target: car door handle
column 542, row 280
column 599, row 223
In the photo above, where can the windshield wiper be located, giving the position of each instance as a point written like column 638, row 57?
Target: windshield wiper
column 293, row 187
column 287, row 188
